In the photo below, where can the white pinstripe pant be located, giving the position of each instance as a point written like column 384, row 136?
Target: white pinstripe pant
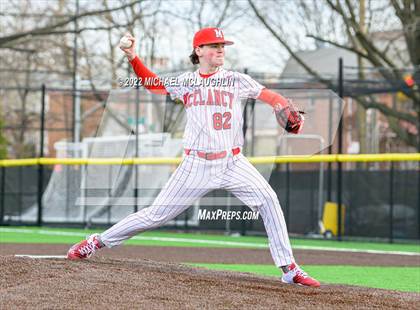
column 194, row 178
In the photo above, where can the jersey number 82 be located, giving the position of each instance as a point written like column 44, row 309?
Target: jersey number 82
column 221, row 121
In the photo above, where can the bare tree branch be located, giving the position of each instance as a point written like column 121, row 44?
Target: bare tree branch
column 372, row 104
column 199, row 13
column 222, row 16
column 23, row 50
column 351, row 49
column 401, row 132
column 377, row 57
column 80, row 30
column 49, row 28
column 285, row 45
column 364, row 46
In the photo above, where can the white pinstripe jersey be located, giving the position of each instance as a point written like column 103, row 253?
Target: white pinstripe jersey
column 213, row 107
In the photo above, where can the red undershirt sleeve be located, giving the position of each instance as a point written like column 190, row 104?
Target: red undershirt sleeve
column 148, row 79
column 272, row 98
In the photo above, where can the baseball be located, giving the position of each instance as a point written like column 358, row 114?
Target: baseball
column 125, row 42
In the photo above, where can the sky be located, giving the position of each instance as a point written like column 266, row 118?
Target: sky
column 254, row 47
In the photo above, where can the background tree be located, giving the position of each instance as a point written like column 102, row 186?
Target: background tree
column 3, row 141
column 358, row 27
column 37, row 45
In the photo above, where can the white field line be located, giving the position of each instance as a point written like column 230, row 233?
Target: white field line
column 212, row 242
column 41, row 256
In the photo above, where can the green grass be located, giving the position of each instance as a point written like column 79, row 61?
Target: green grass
column 359, row 245
column 392, row 278
column 159, row 238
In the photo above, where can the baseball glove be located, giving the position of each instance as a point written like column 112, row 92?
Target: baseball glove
column 290, row 118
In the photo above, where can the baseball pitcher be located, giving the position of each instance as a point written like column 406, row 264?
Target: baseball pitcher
column 212, row 140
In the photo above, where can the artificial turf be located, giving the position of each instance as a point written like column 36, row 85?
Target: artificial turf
column 392, row 278
column 159, row 238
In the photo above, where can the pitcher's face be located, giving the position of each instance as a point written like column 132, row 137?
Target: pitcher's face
column 212, row 54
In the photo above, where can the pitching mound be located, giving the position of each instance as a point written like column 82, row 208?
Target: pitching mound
column 112, row 283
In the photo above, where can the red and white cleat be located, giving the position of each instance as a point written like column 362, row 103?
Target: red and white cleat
column 297, row 276
column 85, row 248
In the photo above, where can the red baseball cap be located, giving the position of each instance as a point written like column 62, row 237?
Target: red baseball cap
column 209, row 36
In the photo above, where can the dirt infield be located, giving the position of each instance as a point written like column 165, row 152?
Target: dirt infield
column 142, row 277
column 141, row 284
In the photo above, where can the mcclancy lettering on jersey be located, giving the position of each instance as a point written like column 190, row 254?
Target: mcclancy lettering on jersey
column 209, row 97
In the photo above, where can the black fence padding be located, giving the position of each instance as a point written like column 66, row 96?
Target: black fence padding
column 21, row 188
column 366, row 196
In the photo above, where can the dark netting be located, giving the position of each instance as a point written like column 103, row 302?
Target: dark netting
column 366, row 196
column 21, row 191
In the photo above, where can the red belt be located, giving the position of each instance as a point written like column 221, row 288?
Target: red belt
column 212, row 156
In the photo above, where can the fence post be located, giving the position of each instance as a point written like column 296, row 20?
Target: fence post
column 287, row 196
column 244, row 130
column 253, row 127
column 2, row 193
column 391, row 203
column 418, row 178
column 418, row 196
column 340, row 147
column 75, row 84
column 41, row 154
column 136, row 150
column 330, row 149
